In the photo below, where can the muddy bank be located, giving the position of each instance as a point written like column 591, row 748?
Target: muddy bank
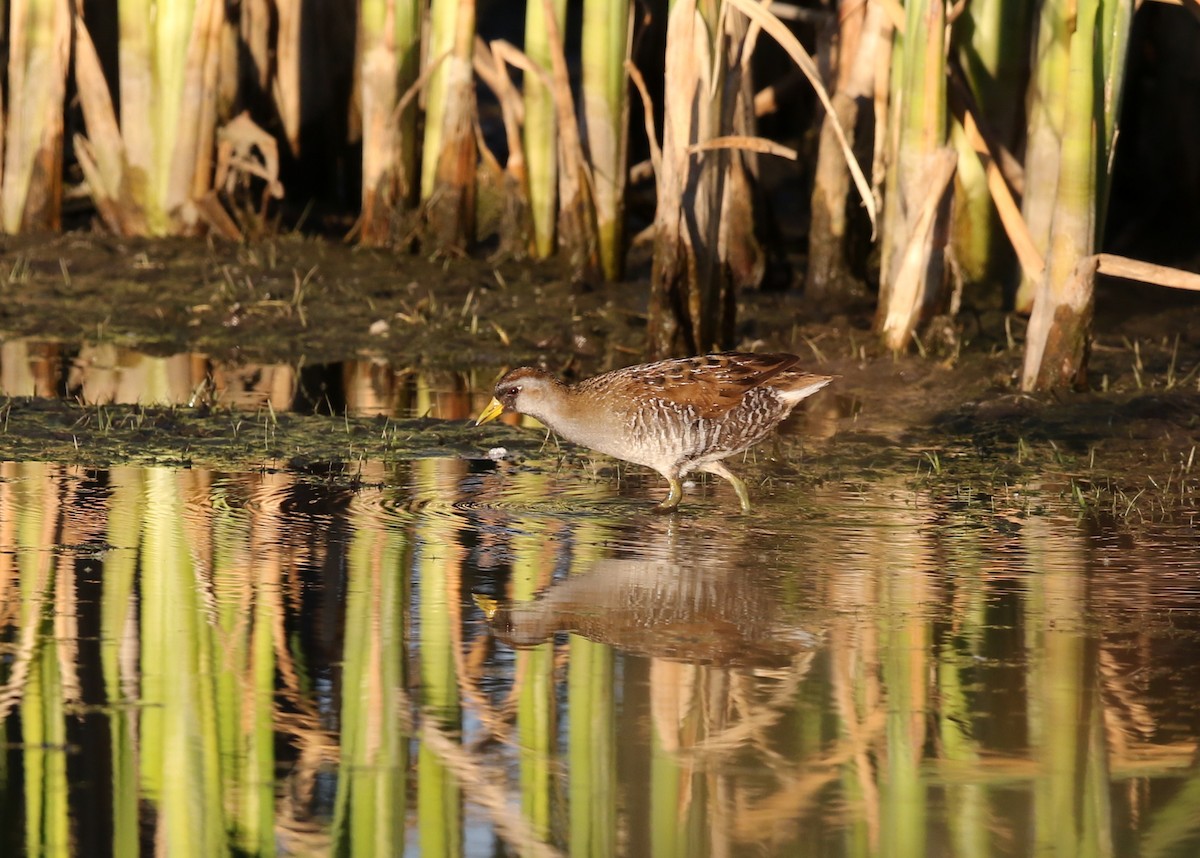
column 950, row 411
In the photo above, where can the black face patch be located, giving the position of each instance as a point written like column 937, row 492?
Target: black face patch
column 508, row 393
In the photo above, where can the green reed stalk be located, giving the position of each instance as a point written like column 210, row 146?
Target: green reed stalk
column 117, row 603
column 966, row 803
column 148, row 171
column 233, row 604
column 448, row 166
column 246, row 584
column 1047, row 105
column 592, row 750
column 990, row 38
column 532, row 570
column 180, row 759
column 389, row 46
column 371, row 801
column 1115, row 23
column 1060, row 325
column 592, row 736
column 892, row 230
column 42, row 699
column 914, row 270
column 438, row 572
column 607, row 40
column 38, row 41
column 670, row 802
column 1063, row 695
column 540, row 135
column 905, row 633
column 170, row 27
column 44, row 748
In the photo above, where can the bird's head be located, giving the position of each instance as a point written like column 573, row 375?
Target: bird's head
column 525, row 390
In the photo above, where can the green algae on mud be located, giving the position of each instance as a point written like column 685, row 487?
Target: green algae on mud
column 293, row 299
column 1140, row 470
column 103, row 436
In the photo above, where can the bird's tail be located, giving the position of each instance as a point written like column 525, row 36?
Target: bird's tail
column 800, row 385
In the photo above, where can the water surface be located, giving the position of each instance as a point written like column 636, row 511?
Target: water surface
column 471, row 658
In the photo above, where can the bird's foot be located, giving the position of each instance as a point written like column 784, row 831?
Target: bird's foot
column 671, row 502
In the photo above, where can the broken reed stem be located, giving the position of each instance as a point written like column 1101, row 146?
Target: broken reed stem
column 1147, row 272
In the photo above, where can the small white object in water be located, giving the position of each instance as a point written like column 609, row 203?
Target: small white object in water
column 688, row 484
column 497, row 453
column 379, row 328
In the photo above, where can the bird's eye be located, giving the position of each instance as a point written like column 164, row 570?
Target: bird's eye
column 512, row 391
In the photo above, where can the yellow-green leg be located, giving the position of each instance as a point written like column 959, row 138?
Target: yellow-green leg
column 671, row 502
column 734, row 480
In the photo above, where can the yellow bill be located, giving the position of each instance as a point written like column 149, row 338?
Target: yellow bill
column 494, row 409
column 488, row 605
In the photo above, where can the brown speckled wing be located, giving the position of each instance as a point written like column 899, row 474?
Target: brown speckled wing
column 712, row 384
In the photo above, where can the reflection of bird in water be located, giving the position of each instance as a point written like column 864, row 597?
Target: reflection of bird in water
column 701, row 613
column 675, row 416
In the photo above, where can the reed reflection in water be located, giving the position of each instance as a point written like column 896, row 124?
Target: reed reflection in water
column 107, row 373
column 462, row 659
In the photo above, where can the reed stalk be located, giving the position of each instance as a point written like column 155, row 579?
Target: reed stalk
column 1047, row 105
column 692, row 305
column 540, row 135
column 1059, row 330
column 448, row 169
column 254, row 33
column 861, row 31
column 592, row 750
column 371, row 802
column 31, row 123
column 1071, row 813
column 704, row 242
column 607, row 41
column 438, row 569
column 288, row 59
column 577, row 213
column 179, row 749
column 989, row 38
column 913, row 269
column 149, row 171
column 1116, row 19
column 905, row 670
column 592, row 738
column 118, row 642
column 35, row 677
column 388, row 62
column 532, row 571
column 515, row 226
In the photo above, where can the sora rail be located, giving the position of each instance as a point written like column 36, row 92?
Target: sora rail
column 675, row 416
